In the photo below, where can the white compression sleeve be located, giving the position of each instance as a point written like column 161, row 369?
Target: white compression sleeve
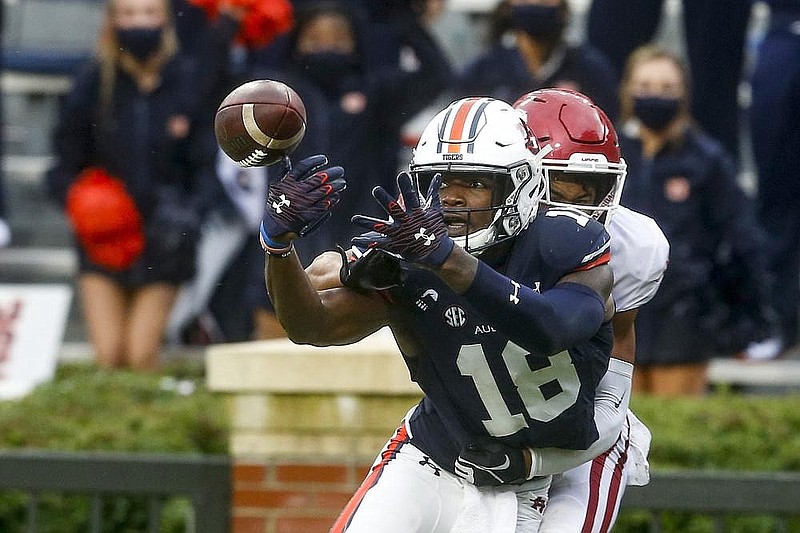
column 610, row 409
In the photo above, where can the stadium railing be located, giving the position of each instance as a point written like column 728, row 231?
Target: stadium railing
column 205, row 480
column 720, row 495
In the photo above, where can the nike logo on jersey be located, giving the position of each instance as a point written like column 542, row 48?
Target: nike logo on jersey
column 619, row 402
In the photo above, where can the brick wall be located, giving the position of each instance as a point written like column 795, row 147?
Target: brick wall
column 306, row 424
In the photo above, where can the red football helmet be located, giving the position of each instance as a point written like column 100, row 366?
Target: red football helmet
column 583, row 148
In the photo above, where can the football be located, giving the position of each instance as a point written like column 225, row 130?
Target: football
column 260, row 122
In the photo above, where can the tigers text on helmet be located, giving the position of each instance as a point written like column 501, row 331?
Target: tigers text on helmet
column 583, row 147
column 485, row 137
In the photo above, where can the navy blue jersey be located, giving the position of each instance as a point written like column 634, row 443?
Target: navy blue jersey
column 462, row 361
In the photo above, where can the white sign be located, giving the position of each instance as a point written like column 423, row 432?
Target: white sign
column 32, row 320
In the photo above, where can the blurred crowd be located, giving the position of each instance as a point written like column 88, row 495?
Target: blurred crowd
column 165, row 224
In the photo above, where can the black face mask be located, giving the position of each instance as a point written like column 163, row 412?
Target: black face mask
column 656, row 112
column 540, row 22
column 141, row 43
column 329, row 70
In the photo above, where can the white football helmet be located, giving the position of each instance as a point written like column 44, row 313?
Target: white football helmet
column 487, row 137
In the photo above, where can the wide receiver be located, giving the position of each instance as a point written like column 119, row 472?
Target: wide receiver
column 499, row 311
column 585, row 168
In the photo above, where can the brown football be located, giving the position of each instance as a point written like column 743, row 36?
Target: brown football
column 259, row 122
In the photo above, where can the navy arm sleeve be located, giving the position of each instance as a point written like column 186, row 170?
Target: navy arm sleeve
column 544, row 323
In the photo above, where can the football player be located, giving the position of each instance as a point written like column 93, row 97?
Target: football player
column 500, row 312
column 585, row 169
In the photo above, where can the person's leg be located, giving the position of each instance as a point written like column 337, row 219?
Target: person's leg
column 150, row 307
column 618, row 27
column 679, row 380
column 104, row 304
column 715, row 34
column 404, row 492
column 775, row 133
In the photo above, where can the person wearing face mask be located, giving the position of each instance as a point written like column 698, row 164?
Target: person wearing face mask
column 712, row 298
column 126, row 136
column 357, row 101
column 528, row 51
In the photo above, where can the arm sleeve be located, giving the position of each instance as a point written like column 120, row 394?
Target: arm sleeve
column 545, row 323
column 610, row 410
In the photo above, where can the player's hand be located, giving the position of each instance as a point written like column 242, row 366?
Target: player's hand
column 302, row 200
column 491, row 463
column 415, row 231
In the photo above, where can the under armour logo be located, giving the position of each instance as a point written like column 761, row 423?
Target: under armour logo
column 514, row 297
column 427, row 461
column 284, row 202
column 421, row 234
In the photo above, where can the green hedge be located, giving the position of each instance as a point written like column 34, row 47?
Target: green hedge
column 723, row 431
column 87, row 409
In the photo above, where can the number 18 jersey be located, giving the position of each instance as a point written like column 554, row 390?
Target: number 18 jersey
column 480, row 382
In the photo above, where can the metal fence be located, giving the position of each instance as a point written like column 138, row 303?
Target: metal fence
column 204, row 480
column 719, row 495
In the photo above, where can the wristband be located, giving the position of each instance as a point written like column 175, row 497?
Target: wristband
column 273, row 248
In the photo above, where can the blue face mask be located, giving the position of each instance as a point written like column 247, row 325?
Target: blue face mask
column 141, row 43
column 656, row 112
column 540, row 22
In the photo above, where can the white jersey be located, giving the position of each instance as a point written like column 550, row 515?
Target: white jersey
column 639, row 257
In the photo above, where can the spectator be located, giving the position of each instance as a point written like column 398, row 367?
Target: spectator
column 210, row 307
column 714, row 31
column 356, row 108
column 126, row 133
column 529, row 51
column 686, row 181
column 775, row 123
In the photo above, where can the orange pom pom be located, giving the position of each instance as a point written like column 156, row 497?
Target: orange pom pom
column 105, row 219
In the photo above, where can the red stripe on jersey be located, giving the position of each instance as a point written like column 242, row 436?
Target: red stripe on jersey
column 457, row 129
column 601, row 260
column 400, row 438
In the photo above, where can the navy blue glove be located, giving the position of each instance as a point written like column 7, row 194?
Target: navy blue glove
column 302, row 200
column 416, row 232
column 491, row 463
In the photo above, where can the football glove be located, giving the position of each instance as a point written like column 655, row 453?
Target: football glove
column 490, row 463
column 302, row 200
column 372, row 269
column 414, row 231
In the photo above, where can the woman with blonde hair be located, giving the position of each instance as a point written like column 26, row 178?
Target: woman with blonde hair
column 127, row 137
column 686, row 181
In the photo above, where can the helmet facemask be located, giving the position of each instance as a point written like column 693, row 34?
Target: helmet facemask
column 601, row 180
column 515, row 196
column 482, row 137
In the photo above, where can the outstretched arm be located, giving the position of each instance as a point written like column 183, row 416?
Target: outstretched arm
column 321, row 317
column 298, row 204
